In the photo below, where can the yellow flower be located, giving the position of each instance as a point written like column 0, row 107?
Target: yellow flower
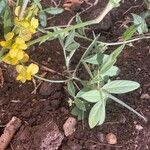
column 15, row 57
column 19, row 54
column 7, row 59
column 8, row 40
column 19, row 44
column 33, row 25
column 26, row 73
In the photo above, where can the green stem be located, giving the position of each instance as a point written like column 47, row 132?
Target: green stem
column 84, row 55
column 101, row 16
column 114, row 43
column 52, row 81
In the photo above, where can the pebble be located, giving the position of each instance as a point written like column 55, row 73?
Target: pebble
column 111, row 138
column 145, row 96
column 69, row 126
column 139, row 127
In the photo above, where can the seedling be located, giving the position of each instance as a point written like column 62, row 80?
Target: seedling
column 86, row 96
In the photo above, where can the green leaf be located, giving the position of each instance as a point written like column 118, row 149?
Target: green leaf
column 7, row 21
column 80, row 104
column 37, row 2
column 43, row 19
column 111, row 60
column 129, row 32
column 2, row 6
column 102, row 113
column 97, row 115
column 120, row 86
column 95, row 59
column 77, row 112
column 70, row 38
column 125, row 105
column 71, row 88
column 92, row 96
column 73, row 46
column 81, row 31
column 142, row 26
column 113, row 71
column 54, row 10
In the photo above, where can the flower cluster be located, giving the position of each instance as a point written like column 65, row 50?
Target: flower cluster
column 15, row 44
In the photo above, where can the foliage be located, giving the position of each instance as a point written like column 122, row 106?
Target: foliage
column 88, row 96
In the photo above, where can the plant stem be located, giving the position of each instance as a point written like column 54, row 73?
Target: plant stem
column 101, row 16
column 115, row 43
column 52, row 81
column 84, row 55
column 64, row 51
column 23, row 8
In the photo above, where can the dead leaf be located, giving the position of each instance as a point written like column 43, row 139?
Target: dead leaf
column 69, row 4
column 1, row 78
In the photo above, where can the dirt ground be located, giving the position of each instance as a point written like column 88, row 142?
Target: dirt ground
column 46, row 109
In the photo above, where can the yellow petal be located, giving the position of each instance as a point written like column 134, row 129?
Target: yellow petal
column 17, row 11
column 6, row 59
column 25, row 24
column 14, row 61
column 25, row 58
column 32, row 69
column 20, row 55
column 23, row 46
column 3, row 43
column 19, row 40
column 21, row 78
column 9, row 36
column 34, row 22
column 32, row 30
column 28, row 76
column 26, row 34
column 13, row 53
column 6, row 44
column 19, row 68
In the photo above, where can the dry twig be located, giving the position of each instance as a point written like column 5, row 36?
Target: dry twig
column 9, row 132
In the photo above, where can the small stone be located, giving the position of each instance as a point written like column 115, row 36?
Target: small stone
column 145, row 96
column 111, row 138
column 139, row 127
column 69, row 126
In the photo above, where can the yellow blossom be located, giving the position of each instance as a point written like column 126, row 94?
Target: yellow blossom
column 26, row 73
column 33, row 25
column 16, row 57
column 8, row 40
column 19, row 44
